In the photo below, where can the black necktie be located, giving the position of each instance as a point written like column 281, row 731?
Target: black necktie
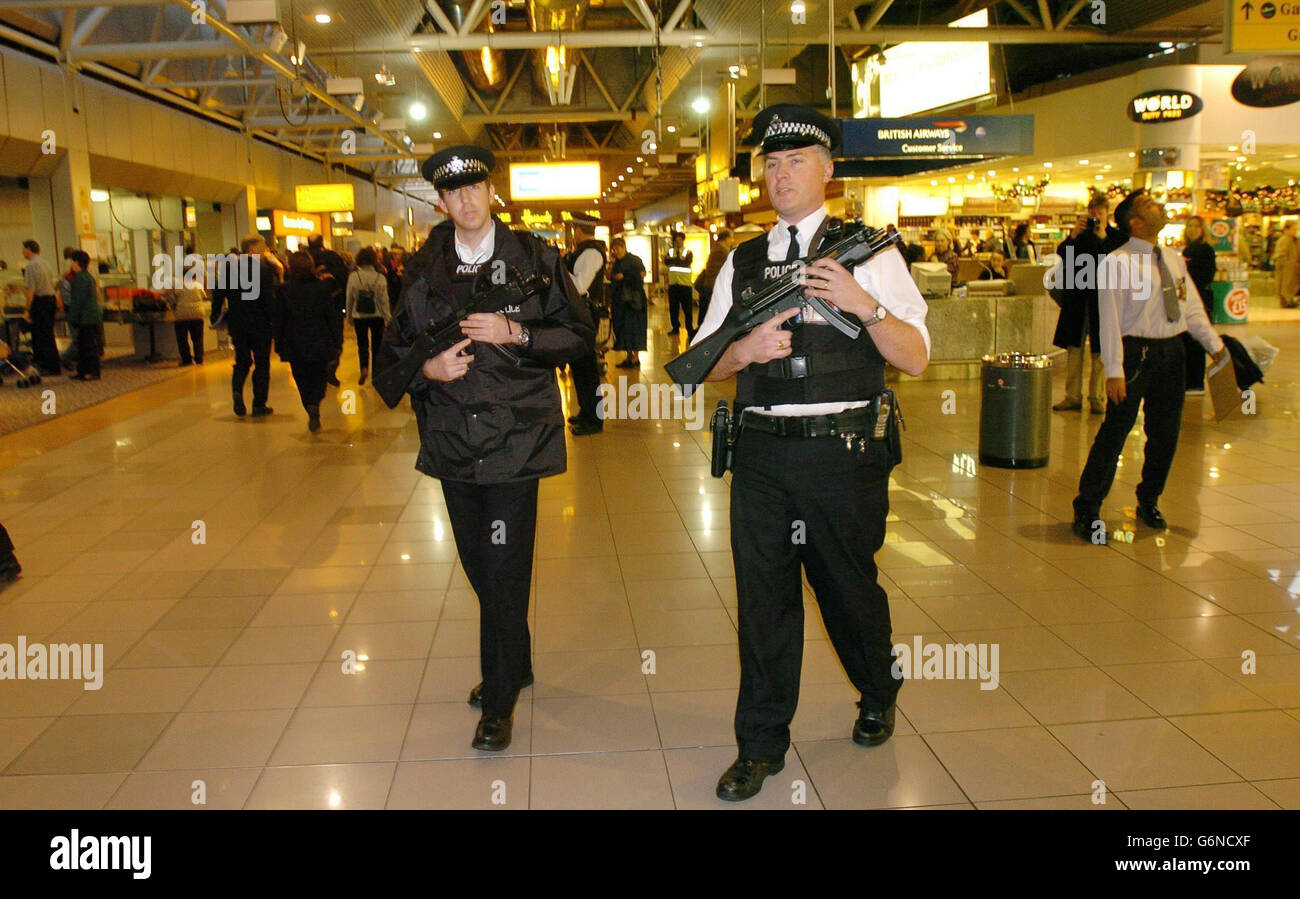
column 793, row 252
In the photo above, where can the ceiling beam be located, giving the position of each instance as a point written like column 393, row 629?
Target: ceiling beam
column 89, row 24
column 677, row 15
column 215, row 82
column 641, row 13
column 877, row 12
column 510, row 83
column 160, row 50
column 600, row 85
column 1024, row 13
column 1070, row 14
column 439, row 17
column 527, row 40
column 69, row 4
column 1045, row 14
column 473, row 17
column 542, row 118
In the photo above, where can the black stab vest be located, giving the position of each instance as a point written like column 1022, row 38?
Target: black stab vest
column 839, row 369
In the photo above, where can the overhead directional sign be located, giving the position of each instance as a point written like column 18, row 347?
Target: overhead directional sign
column 1262, row 26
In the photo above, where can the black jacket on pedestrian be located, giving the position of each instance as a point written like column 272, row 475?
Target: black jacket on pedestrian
column 502, row 421
column 1069, row 324
column 252, row 309
column 1201, row 267
column 335, row 266
column 306, row 321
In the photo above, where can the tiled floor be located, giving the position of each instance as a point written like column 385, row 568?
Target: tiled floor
column 227, row 567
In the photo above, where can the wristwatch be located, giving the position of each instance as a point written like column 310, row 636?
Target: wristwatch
column 877, row 318
column 525, row 338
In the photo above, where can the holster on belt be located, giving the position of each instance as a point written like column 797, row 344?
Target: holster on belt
column 723, row 428
column 889, row 423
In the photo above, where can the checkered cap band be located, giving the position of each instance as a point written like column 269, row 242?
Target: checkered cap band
column 458, row 166
column 777, row 128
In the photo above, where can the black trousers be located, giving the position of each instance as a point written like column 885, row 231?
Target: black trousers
column 1195, row 365
column 1156, row 374
column 338, row 357
column 87, row 349
column 494, row 526
column 190, row 331
column 252, row 350
column 706, row 294
column 45, row 351
column 811, row 503
column 370, row 334
column 680, row 298
column 586, row 383
column 309, row 375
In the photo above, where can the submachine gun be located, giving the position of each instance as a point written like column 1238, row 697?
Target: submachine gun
column 776, row 296
column 441, row 335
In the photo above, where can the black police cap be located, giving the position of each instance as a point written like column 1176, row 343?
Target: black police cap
column 788, row 126
column 457, row 166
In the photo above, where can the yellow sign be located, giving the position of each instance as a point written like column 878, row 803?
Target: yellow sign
column 554, row 181
column 1262, row 27
column 530, row 219
column 324, row 197
column 294, row 224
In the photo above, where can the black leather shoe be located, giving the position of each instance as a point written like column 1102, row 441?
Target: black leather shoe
column 745, row 778
column 1149, row 515
column 493, row 734
column 873, row 728
column 583, row 428
column 262, row 411
column 10, row 570
column 574, row 419
column 476, row 695
column 1083, row 528
column 240, row 409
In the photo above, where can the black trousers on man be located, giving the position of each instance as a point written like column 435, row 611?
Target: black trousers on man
column 252, row 342
column 680, row 299
column 494, row 526
column 810, row 502
column 189, row 331
column 1156, row 374
column 586, row 383
column 87, row 349
column 309, row 375
column 45, row 351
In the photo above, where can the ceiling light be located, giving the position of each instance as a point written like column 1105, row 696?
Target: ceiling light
column 1241, row 158
column 1083, row 162
column 1165, row 45
column 1047, row 165
column 622, row 177
column 934, row 183
column 639, row 159
column 1016, row 169
column 323, row 18
column 952, row 180
column 418, row 111
column 798, row 7
column 1131, row 155
column 437, row 135
column 1232, row 148
column 700, row 105
column 629, row 170
column 672, row 129
column 992, row 174
column 98, row 196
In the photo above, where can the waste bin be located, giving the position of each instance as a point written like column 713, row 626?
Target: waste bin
column 1015, row 410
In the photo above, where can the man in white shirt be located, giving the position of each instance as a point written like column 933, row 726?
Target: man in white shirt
column 810, row 485
column 1146, row 301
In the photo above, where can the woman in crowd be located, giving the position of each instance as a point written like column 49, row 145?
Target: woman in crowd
column 307, row 331
column 943, row 252
column 85, row 316
column 1199, row 256
column 367, row 306
column 190, row 313
column 1023, row 246
column 1286, row 266
column 627, row 276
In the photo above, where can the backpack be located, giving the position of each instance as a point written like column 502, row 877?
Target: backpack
column 365, row 300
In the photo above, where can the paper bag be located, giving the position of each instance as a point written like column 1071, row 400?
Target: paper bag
column 1225, row 395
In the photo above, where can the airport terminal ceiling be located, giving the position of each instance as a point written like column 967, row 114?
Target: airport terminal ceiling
column 547, row 79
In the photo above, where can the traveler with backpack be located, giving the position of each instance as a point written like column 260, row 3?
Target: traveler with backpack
column 368, row 306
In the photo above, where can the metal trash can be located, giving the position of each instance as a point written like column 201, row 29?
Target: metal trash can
column 1015, row 410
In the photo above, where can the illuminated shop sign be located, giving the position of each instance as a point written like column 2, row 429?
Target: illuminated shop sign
column 918, row 75
column 554, row 181
column 324, row 197
column 1164, row 106
column 1270, row 81
column 295, row 224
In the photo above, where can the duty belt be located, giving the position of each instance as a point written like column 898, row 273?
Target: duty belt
column 860, row 421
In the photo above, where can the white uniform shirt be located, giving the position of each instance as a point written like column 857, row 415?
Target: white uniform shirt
column 885, row 277
column 589, row 262
column 1127, row 311
column 484, row 251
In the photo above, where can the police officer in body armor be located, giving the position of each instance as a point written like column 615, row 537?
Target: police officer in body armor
column 805, row 462
column 678, row 262
column 586, row 263
column 489, row 427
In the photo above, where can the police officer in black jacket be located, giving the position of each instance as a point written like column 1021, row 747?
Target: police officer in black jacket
column 489, row 427
column 810, row 483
